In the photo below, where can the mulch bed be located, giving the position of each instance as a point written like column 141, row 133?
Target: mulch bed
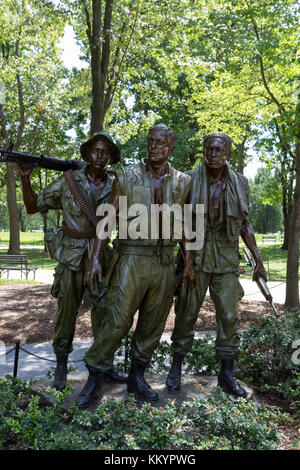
column 27, row 312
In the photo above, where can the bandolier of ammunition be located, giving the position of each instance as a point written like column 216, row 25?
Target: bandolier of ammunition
column 78, row 233
column 84, row 206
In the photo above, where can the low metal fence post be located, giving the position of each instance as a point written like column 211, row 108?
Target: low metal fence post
column 15, row 373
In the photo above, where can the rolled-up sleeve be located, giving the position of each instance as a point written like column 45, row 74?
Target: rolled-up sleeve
column 50, row 196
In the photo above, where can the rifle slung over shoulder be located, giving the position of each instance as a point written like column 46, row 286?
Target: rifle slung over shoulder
column 42, row 161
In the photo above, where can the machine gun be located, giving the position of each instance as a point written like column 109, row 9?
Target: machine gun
column 261, row 282
column 11, row 156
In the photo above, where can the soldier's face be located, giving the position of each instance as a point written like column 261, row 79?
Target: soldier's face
column 100, row 155
column 158, row 147
column 215, row 153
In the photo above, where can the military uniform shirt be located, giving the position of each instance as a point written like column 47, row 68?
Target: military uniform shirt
column 219, row 254
column 57, row 195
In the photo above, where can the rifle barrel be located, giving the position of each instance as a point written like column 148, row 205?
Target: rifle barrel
column 261, row 283
column 39, row 161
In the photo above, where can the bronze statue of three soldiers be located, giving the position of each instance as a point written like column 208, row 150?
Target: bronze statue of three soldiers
column 142, row 269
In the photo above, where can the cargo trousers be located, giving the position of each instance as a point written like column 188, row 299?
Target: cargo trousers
column 69, row 290
column 142, row 281
column 225, row 291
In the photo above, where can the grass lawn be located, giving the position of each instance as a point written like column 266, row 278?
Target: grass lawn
column 26, row 238
column 274, row 260
column 273, row 257
column 5, row 282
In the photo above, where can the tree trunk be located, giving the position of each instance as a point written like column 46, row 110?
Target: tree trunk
column 106, row 73
column 287, row 181
column 97, row 115
column 287, row 208
column 22, row 219
column 14, row 239
column 14, row 226
column 285, row 221
column 100, row 53
column 292, row 302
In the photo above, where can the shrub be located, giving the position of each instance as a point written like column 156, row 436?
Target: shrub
column 266, row 357
column 215, row 422
column 224, row 422
column 200, row 361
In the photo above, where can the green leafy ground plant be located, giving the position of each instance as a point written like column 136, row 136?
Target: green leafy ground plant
column 214, row 422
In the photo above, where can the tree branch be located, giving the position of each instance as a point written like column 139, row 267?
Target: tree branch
column 272, row 96
column 285, row 146
column 118, row 48
column 262, row 67
column 112, row 88
column 88, row 23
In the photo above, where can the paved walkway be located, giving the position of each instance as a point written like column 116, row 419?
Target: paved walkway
column 41, row 275
column 251, row 290
column 32, row 367
column 30, row 247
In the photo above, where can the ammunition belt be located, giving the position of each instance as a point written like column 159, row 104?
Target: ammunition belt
column 72, row 233
column 84, row 205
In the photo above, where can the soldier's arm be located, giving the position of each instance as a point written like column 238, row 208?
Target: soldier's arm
column 248, row 237
column 102, row 239
column 189, row 272
column 29, row 196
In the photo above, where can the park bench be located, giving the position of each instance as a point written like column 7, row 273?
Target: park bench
column 269, row 238
column 15, row 263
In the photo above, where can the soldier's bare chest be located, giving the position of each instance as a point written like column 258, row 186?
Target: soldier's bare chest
column 158, row 189
column 98, row 187
column 96, row 184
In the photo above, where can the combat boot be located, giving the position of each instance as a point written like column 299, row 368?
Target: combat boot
column 137, row 384
column 60, row 375
column 227, row 381
column 174, row 377
column 91, row 389
column 113, row 375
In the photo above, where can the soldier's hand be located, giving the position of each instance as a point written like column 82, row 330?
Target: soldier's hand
column 24, row 170
column 189, row 275
column 94, row 269
column 259, row 271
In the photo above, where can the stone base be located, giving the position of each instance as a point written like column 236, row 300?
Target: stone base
column 191, row 387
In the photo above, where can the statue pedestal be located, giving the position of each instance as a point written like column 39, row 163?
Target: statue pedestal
column 192, row 387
